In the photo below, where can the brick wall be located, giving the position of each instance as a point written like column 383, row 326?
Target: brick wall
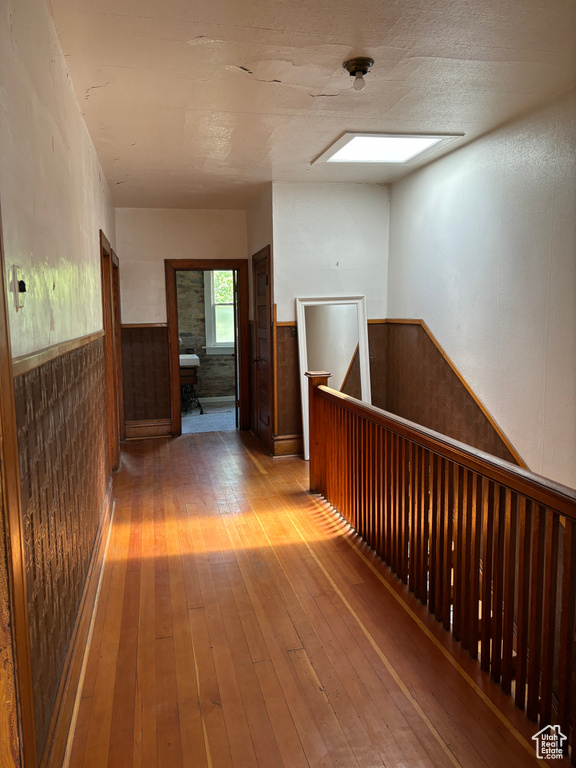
column 216, row 372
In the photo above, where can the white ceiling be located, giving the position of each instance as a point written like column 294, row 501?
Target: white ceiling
column 196, row 104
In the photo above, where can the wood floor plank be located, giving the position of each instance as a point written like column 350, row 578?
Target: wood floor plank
column 121, row 733
column 167, row 710
column 191, row 730
column 145, row 751
column 97, row 741
column 214, row 726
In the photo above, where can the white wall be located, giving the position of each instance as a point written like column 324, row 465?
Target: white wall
column 483, row 248
column 53, row 193
column 331, row 339
column 147, row 236
column 330, row 240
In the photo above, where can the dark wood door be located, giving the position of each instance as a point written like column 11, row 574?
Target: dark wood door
column 111, row 315
column 263, row 363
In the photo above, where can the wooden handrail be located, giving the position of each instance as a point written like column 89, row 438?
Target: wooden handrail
column 559, row 497
column 488, row 546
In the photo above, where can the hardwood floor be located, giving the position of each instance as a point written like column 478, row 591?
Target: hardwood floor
column 240, row 623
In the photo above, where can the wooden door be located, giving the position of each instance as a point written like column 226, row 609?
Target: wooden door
column 118, row 344
column 263, row 362
column 110, row 321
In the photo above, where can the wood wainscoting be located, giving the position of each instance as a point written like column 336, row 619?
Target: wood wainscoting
column 64, row 480
column 424, row 386
column 410, row 375
column 287, row 439
column 146, row 380
column 63, row 714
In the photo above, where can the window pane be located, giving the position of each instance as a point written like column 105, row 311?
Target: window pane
column 224, row 324
column 223, row 287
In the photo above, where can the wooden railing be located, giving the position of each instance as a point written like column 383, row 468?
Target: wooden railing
column 489, row 547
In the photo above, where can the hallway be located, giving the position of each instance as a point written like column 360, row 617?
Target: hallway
column 240, row 623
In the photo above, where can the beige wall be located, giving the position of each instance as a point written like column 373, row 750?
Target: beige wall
column 259, row 225
column 483, row 248
column 330, row 240
column 53, row 193
column 147, row 236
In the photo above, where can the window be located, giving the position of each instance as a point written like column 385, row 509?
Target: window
column 219, row 311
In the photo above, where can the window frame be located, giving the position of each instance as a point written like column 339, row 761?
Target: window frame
column 212, row 346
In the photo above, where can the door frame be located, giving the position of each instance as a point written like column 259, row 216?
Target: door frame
column 16, row 559
column 112, row 324
column 171, row 266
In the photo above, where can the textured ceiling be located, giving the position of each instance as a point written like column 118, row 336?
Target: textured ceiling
column 195, row 104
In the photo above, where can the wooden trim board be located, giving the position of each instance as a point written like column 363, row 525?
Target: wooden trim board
column 287, row 445
column 140, row 430
column 274, row 362
column 10, row 488
column 69, row 681
column 144, row 325
column 26, row 363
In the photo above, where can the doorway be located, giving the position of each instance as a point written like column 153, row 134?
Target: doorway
column 208, row 336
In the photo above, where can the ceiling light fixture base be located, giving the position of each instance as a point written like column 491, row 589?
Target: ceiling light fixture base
column 357, row 68
column 358, row 64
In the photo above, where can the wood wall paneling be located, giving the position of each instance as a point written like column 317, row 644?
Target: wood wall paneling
column 378, row 345
column 61, row 419
column 288, row 382
column 70, row 679
column 422, row 386
column 410, row 376
column 146, row 373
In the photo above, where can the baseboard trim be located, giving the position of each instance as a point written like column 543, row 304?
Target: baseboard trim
column 140, row 430
column 57, row 739
column 287, row 445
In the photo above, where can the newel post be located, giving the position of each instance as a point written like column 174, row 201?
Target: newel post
column 316, row 442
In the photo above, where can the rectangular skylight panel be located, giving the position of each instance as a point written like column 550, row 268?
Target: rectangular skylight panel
column 383, row 149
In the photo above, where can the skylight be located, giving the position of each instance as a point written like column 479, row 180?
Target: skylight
column 382, row 148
